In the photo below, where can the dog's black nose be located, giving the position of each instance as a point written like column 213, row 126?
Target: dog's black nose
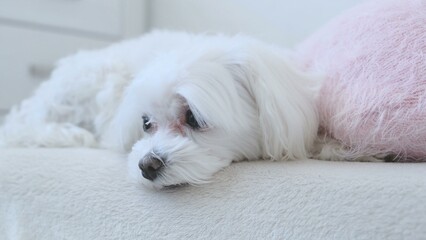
column 150, row 165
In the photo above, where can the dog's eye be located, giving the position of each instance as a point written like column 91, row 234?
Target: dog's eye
column 190, row 120
column 146, row 123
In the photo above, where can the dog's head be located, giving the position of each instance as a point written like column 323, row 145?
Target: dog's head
column 193, row 111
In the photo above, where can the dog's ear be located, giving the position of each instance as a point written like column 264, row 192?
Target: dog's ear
column 285, row 97
column 125, row 126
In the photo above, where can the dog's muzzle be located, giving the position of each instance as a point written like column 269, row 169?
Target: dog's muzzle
column 150, row 166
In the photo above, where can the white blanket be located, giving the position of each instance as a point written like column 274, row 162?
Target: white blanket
column 85, row 194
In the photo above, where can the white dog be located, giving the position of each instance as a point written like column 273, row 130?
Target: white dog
column 184, row 105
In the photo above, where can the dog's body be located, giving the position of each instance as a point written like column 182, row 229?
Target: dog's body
column 77, row 104
column 202, row 101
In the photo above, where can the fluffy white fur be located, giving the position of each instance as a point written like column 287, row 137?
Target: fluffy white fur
column 249, row 99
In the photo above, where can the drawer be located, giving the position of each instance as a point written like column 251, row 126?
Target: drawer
column 96, row 16
column 27, row 56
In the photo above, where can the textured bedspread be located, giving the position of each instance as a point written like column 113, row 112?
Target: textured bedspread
column 85, row 194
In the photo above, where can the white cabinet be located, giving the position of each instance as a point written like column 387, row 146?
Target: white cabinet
column 97, row 16
column 34, row 34
column 27, row 56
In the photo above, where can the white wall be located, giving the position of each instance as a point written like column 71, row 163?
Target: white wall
column 281, row 21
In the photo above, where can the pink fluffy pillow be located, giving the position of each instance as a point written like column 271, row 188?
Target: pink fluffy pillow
column 374, row 97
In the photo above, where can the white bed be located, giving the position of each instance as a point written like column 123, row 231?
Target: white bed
column 85, row 194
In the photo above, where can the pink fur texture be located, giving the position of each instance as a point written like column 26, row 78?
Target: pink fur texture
column 374, row 96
